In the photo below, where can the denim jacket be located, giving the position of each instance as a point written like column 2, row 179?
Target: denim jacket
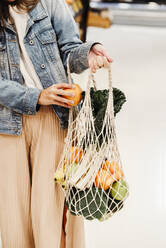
column 51, row 34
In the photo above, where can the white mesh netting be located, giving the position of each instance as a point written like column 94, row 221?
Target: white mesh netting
column 90, row 170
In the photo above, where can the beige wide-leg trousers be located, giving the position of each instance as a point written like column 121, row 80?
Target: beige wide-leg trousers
column 31, row 204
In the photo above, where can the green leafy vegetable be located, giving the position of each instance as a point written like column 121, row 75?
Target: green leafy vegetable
column 93, row 203
column 90, row 203
column 99, row 100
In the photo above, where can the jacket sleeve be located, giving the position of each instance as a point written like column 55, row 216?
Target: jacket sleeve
column 68, row 36
column 19, row 98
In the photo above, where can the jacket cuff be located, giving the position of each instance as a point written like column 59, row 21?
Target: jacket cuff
column 31, row 100
column 78, row 57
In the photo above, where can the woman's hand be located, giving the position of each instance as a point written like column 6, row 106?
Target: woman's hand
column 54, row 95
column 98, row 57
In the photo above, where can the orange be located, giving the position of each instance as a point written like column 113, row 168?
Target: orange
column 112, row 167
column 74, row 155
column 104, row 180
column 69, row 1
column 77, row 91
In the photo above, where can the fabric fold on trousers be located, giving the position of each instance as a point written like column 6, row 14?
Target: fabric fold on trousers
column 31, row 204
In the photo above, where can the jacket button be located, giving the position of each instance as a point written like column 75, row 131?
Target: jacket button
column 31, row 42
column 43, row 66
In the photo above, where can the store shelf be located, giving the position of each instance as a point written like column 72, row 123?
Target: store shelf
column 129, row 6
column 151, row 14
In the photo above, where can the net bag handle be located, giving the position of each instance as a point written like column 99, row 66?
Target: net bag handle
column 92, row 83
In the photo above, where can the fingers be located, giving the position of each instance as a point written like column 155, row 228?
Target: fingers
column 54, row 95
column 91, row 65
column 105, row 62
column 102, row 62
column 58, row 89
column 62, row 100
column 55, row 99
column 64, row 86
column 61, row 104
column 95, row 66
column 100, row 50
column 57, row 94
column 105, row 54
column 63, row 93
column 98, row 62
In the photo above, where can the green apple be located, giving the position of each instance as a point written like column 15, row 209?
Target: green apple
column 119, row 190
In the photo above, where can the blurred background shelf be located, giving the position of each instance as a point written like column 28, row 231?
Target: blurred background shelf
column 141, row 14
column 149, row 6
column 103, row 14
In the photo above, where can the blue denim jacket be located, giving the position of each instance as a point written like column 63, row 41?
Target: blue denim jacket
column 51, row 35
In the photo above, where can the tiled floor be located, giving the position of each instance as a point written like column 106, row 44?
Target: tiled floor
column 139, row 69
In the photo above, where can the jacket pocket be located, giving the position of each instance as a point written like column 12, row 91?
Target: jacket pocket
column 46, row 37
column 49, row 45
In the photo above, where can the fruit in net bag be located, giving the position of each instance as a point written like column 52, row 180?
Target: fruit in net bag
column 119, row 190
column 74, row 155
column 104, row 179
column 112, row 167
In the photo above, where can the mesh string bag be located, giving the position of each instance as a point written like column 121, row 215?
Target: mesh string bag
column 90, row 170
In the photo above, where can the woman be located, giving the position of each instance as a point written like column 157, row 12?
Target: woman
column 35, row 40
